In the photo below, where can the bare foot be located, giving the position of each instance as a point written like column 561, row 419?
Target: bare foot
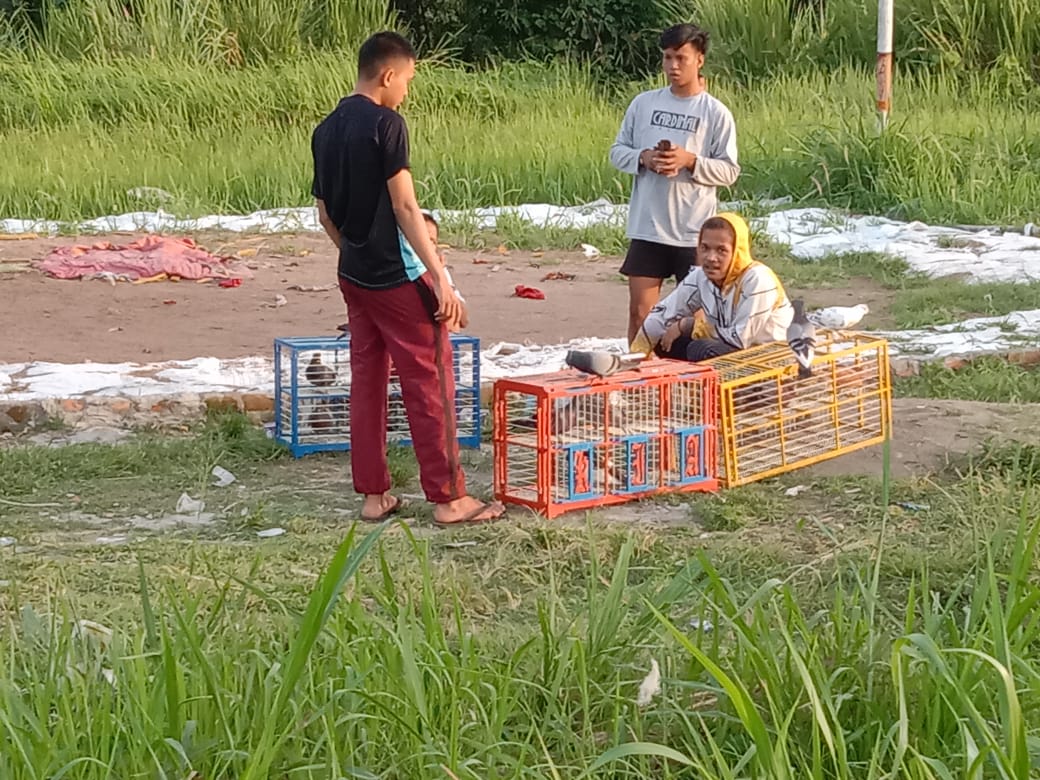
column 378, row 506
column 467, row 510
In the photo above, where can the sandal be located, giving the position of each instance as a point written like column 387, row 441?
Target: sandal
column 473, row 518
column 398, row 503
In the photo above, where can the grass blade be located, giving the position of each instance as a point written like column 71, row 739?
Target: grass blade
column 344, row 565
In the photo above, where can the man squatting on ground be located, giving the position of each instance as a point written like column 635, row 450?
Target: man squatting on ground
column 742, row 300
column 674, row 189
column 400, row 301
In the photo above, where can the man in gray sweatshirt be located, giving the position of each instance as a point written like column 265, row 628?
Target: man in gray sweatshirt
column 680, row 143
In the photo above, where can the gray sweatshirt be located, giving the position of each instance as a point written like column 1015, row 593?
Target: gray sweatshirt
column 671, row 210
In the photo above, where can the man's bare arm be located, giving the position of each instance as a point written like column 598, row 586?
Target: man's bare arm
column 328, row 224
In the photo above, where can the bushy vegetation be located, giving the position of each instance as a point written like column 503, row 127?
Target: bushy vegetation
column 752, row 38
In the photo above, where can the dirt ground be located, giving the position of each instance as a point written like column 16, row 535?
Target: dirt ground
column 73, row 321
column 930, row 436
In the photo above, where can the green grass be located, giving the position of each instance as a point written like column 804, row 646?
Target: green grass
column 848, row 639
column 751, row 39
column 983, row 379
column 80, row 135
column 465, row 230
column 915, row 300
column 939, row 301
column 227, row 32
column 227, row 440
column 146, row 475
column 759, row 37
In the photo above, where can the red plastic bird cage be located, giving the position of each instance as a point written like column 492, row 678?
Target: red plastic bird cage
column 566, row 441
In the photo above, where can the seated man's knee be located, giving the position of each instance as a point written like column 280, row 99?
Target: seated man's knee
column 677, row 351
column 706, row 349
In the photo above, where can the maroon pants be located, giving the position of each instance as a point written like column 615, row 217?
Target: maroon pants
column 398, row 324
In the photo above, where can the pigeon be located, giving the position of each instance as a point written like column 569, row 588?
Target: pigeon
column 602, row 364
column 839, row 317
column 318, row 373
column 801, row 337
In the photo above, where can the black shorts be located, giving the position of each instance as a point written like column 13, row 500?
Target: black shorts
column 659, row 261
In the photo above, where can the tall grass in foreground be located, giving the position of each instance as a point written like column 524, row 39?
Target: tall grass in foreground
column 395, row 682
column 80, row 137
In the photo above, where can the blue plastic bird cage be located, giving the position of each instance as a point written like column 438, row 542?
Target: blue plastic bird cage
column 312, row 395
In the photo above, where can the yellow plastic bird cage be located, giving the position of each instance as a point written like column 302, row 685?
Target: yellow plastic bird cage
column 772, row 421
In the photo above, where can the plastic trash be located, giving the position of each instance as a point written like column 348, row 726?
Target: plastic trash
column 188, row 505
column 224, row 477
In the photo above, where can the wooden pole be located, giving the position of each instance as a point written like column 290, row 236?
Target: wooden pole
column 886, row 23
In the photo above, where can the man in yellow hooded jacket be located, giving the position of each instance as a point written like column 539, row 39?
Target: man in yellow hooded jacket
column 742, row 301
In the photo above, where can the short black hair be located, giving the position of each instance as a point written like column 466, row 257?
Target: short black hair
column 379, row 50
column 679, row 35
column 718, row 223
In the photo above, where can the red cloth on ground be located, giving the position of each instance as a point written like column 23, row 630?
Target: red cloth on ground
column 523, row 291
column 397, row 324
column 147, row 257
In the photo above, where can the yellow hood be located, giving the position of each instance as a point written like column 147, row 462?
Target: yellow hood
column 742, row 259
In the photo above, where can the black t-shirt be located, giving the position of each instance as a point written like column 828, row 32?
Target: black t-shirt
column 356, row 149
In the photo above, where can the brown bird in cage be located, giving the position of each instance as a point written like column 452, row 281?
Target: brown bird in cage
column 322, row 416
column 318, row 373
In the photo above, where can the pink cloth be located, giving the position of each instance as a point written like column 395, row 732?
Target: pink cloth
column 147, row 257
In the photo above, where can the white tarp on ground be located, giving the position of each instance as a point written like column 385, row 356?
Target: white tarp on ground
column 990, row 256
column 41, row 380
column 986, row 255
column 38, row 381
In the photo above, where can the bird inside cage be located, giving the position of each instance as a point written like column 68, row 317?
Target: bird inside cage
column 320, row 375
column 340, row 406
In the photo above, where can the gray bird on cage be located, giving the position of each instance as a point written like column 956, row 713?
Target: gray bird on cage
column 801, row 337
column 602, row 364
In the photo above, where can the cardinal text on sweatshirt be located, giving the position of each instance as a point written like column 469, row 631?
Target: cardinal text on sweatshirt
column 671, row 210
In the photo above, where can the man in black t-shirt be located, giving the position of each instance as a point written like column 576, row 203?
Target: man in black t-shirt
column 400, row 302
